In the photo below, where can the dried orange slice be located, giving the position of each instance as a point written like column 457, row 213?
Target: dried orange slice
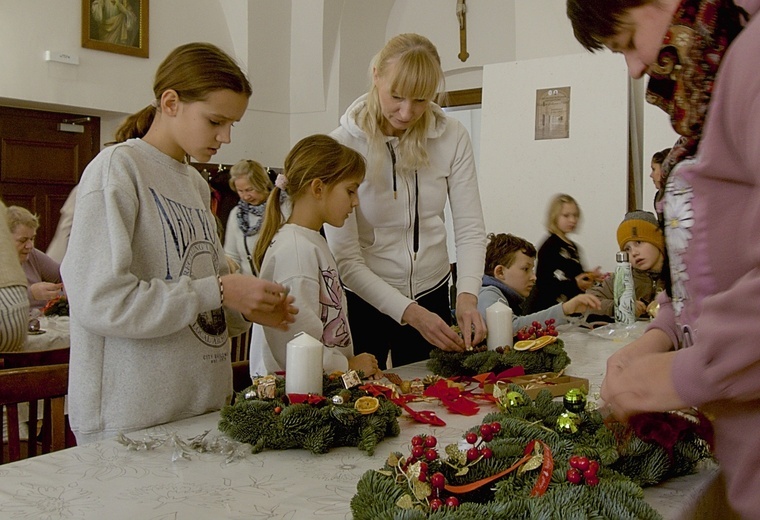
column 543, row 341
column 366, row 405
column 525, row 344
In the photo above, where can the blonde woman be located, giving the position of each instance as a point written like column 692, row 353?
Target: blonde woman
column 391, row 252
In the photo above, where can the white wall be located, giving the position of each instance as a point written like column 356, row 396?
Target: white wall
column 490, row 34
column 519, row 175
column 543, row 30
column 658, row 134
column 277, row 42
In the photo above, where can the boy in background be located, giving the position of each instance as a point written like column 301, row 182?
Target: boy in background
column 640, row 236
column 509, row 275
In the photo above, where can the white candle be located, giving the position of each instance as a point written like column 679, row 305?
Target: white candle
column 499, row 323
column 303, row 365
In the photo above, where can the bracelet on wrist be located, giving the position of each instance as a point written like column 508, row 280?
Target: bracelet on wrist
column 221, row 289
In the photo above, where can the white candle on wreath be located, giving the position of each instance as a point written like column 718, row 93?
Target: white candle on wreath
column 303, row 365
column 499, row 323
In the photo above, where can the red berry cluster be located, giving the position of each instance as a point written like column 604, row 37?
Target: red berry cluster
column 536, row 330
column 582, row 470
column 424, row 451
column 423, row 447
column 487, row 432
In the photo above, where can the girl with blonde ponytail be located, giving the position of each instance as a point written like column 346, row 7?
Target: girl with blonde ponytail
column 321, row 178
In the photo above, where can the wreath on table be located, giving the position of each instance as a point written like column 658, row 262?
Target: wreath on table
column 551, row 358
column 523, row 463
column 265, row 417
column 58, row 306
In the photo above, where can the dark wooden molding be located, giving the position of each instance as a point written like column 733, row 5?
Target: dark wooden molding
column 460, row 98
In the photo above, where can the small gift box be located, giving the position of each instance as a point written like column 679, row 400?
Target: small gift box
column 351, row 379
column 555, row 382
column 266, row 387
column 417, row 387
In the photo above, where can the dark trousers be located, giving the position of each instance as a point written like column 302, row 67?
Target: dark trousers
column 378, row 334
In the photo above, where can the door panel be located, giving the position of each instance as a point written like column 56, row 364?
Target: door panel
column 24, row 161
column 39, row 164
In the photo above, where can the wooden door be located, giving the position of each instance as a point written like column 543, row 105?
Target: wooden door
column 40, row 163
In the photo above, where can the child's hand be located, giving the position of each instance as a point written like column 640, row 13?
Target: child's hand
column 581, row 303
column 641, row 308
column 587, row 280
column 584, row 281
column 366, row 363
column 259, row 300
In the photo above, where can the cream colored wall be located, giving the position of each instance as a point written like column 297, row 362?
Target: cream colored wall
column 307, row 59
column 543, row 30
column 490, row 34
column 519, row 175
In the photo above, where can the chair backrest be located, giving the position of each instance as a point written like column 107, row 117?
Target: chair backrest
column 48, row 383
column 241, row 376
column 240, row 346
column 34, row 358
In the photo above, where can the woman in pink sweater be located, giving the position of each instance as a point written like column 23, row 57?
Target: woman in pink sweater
column 702, row 350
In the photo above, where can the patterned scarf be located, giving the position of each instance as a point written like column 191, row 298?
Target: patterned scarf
column 244, row 213
column 681, row 82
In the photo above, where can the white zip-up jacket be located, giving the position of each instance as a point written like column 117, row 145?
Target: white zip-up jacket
column 375, row 248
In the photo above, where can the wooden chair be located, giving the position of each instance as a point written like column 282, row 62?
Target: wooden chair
column 34, row 358
column 48, row 383
column 240, row 346
column 241, row 376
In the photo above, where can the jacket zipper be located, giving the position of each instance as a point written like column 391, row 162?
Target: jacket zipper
column 413, row 218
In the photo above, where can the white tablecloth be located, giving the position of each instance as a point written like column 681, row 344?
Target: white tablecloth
column 56, row 334
column 105, row 480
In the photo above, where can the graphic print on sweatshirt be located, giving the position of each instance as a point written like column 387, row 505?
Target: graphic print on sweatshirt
column 190, row 244
column 334, row 321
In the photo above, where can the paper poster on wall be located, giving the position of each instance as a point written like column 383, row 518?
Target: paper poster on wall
column 552, row 113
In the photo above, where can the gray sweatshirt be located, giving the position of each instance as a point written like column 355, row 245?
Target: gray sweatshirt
column 149, row 340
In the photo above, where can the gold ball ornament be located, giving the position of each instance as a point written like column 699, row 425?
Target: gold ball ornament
column 574, row 400
column 514, row 398
column 568, row 423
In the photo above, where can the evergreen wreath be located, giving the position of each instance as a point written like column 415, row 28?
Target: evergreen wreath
column 623, row 463
column 551, row 358
column 276, row 423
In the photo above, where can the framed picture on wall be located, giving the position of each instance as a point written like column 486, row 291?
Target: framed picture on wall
column 119, row 26
column 552, row 113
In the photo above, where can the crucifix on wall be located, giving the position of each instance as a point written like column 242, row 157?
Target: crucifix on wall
column 462, row 17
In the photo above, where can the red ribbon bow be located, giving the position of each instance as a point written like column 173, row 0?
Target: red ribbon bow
column 453, row 398
column 425, row 416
